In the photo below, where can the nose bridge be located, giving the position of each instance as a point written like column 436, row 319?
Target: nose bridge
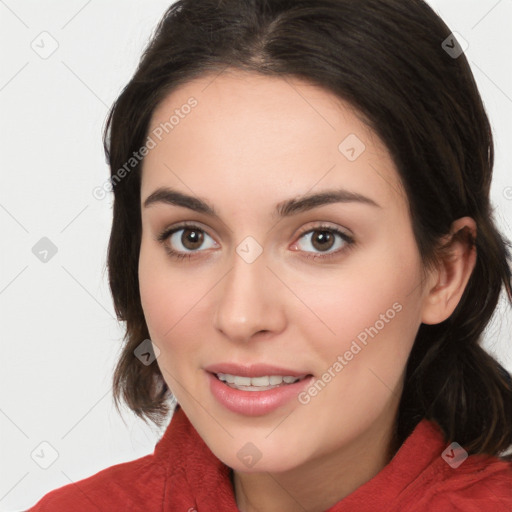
column 247, row 302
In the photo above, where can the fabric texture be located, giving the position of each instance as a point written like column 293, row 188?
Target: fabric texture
column 183, row 475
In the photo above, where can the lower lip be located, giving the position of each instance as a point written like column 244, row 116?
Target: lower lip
column 255, row 403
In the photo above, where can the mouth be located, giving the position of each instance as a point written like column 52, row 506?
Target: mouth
column 256, row 390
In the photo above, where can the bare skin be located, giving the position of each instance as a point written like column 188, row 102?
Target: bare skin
column 250, row 143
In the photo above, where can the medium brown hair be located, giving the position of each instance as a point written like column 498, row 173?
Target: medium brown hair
column 386, row 58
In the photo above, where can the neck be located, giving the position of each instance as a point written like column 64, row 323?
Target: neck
column 322, row 482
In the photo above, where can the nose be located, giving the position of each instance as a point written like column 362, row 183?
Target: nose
column 249, row 302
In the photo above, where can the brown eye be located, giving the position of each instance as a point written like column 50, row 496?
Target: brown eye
column 322, row 240
column 186, row 240
column 192, row 239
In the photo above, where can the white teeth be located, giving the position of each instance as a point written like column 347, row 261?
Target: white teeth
column 242, row 381
column 259, row 381
column 264, row 381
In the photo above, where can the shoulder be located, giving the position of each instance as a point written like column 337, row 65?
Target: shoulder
column 135, row 485
column 481, row 483
column 436, row 475
column 141, row 484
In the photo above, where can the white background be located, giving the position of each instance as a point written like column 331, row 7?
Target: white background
column 60, row 339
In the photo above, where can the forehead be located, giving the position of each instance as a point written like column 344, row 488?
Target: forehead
column 255, row 134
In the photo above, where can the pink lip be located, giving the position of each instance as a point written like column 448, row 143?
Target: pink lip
column 254, row 370
column 255, row 403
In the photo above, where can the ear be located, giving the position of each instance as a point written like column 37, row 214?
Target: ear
column 448, row 280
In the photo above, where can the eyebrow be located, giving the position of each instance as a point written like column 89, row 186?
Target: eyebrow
column 286, row 208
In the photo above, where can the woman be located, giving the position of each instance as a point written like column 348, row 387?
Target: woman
column 304, row 254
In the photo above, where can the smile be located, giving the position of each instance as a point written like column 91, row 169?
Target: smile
column 252, row 396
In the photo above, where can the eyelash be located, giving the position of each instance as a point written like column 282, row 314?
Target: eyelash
column 166, row 233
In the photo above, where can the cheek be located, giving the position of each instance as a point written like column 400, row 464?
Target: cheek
column 360, row 366
column 171, row 304
column 169, row 297
column 367, row 314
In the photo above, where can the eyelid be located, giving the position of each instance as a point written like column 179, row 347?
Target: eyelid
column 325, row 226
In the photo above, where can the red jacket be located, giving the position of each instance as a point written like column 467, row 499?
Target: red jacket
column 183, row 475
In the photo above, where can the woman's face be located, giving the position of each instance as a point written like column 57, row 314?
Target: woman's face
column 304, row 260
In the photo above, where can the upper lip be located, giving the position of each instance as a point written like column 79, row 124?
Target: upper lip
column 254, row 370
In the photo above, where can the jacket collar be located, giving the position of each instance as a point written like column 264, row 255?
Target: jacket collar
column 196, row 479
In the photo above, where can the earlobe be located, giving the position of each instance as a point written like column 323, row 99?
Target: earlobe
column 457, row 259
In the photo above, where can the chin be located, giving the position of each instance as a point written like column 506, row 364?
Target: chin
column 276, row 463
